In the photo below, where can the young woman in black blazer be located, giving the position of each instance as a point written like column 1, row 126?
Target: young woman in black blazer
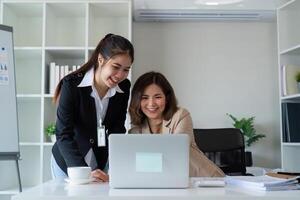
column 93, row 97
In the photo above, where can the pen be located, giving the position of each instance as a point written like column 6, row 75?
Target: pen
column 290, row 173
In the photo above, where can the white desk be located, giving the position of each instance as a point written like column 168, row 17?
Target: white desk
column 59, row 190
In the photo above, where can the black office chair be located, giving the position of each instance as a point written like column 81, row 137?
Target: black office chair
column 225, row 147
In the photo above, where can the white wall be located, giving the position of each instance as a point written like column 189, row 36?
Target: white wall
column 218, row 68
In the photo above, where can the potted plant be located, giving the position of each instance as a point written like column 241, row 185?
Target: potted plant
column 50, row 132
column 297, row 77
column 246, row 125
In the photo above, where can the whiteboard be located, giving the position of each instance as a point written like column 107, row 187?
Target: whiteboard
column 9, row 137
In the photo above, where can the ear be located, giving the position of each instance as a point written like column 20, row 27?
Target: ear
column 100, row 60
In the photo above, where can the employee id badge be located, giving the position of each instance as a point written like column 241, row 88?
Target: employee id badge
column 101, row 137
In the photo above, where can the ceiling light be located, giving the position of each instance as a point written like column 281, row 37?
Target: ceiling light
column 216, row 2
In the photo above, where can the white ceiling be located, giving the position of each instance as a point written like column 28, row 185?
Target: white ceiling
column 189, row 4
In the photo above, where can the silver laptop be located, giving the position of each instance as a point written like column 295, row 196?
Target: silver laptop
column 149, row 161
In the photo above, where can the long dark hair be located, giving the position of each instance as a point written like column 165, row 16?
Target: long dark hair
column 110, row 46
column 136, row 114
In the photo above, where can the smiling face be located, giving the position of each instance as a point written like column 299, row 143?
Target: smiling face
column 112, row 71
column 153, row 102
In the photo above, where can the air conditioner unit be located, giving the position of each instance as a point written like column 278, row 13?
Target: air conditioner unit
column 193, row 15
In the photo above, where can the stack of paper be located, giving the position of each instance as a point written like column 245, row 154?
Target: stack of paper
column 265, row 182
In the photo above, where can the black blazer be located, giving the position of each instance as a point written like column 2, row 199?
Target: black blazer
column 76, row 123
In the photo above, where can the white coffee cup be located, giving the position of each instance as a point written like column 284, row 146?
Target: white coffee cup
column 79, row 173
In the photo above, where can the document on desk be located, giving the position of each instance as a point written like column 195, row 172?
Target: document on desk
column 265, row 182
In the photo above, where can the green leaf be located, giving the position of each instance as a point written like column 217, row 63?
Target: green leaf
column 50, row 129
column 297, row 77
column 246, row 125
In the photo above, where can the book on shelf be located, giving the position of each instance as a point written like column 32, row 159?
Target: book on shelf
column 57, row 72
column 52, row 83
column 74, row 68
column 67, row 71
column 290, row 122
column 284, row 122
column 265, row 183
column 283, row 80
column 61, row 72
column 288, row 79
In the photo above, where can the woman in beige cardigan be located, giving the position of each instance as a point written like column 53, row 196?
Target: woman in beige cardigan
column 153, row 109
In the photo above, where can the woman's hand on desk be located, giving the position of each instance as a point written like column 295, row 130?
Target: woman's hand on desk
column 100, row 175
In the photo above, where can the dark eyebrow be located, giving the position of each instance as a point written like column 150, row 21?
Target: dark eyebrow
column 119, row 65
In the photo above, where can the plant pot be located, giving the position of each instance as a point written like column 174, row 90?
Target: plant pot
column 53, row 138
column 248, row 158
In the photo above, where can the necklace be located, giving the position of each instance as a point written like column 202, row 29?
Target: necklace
column 156, row 129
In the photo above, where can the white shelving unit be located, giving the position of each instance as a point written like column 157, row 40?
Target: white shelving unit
column 288, row 24
column 64, row 32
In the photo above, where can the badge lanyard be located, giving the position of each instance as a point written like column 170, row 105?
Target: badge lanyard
column 101, row 134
